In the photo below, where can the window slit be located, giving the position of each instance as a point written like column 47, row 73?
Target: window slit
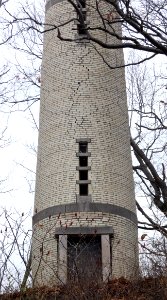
column 83, row 189
column 81, row 27
column 83, row 175
column 83, row 161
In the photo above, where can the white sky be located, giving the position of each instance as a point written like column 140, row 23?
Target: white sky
column 16, row 157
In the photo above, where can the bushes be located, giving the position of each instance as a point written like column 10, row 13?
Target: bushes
column 117, row 289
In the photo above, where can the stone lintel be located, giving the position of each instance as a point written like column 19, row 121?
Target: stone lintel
column 83, row 181
column 106, row 230
column 78, row 168
column 81, row 154
column 83, row 140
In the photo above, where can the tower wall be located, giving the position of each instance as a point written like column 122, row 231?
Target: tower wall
column 82, row 98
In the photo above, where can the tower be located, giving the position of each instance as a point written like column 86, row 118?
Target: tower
column 84, row 223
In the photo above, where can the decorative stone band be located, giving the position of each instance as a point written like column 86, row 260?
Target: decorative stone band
column 84, row 230
column 50, row 3
column 85, row 207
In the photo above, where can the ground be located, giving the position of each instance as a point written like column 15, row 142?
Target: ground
column 118, row 289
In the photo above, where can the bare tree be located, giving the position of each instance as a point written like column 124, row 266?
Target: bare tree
column 153, row 255
column 143, row 25
column 15, row 251
column 148, row 127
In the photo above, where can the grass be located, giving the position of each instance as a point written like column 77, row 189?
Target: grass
column 117, row 289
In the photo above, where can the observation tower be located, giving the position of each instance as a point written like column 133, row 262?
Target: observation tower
column 84, row 223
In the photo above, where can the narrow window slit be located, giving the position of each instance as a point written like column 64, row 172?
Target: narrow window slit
column 83, row 169
column 83, row 189
column 83, row 147
column 83, row 161
column 83, row 175
column 81, row 27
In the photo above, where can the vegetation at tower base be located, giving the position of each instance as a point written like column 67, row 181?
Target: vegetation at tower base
column 118, row 289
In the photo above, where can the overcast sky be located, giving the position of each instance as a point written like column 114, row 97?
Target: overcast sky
column 17, row 158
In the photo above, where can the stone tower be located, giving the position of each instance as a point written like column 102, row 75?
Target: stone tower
column 84, row 223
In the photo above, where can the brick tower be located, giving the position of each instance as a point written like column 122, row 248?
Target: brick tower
column 84, row 223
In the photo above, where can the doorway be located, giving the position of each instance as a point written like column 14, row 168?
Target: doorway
column 84, row 257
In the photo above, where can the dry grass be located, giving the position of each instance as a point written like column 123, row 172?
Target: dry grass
column 118, row 289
